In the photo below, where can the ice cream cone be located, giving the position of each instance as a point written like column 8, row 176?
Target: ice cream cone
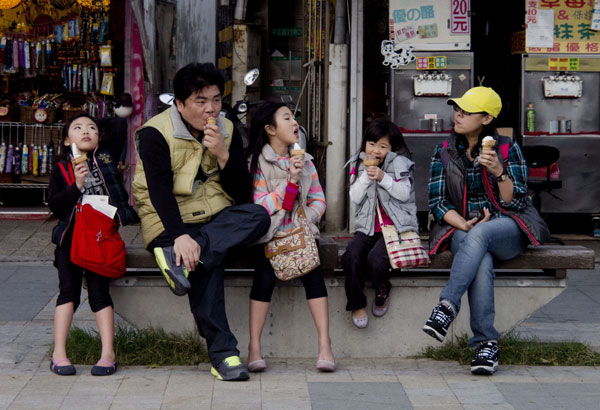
column 78, row 156
column 371, row 161
column 488, row 144
column 81, row 158
column 297, row 150
column 211, row 121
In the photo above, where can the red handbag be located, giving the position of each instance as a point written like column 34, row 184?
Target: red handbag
column 97, row 245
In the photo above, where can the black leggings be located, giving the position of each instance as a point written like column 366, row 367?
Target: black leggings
column 70, row 277
column 365, row 257
column 265, row 279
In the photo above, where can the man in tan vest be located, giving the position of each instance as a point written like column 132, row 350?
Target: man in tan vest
column 192, row 189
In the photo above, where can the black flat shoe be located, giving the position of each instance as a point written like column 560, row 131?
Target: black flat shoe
column 67, row 370
column 104, row 370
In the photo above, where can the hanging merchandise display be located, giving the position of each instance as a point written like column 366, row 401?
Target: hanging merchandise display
column 9, row 4
column 94, row 4
column 57, row 58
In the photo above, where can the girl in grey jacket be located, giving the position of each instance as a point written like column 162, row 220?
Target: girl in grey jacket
column 380, row 175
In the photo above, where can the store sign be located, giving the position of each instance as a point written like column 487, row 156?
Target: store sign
column 430, row 24
column 460, row 23
column 540, row 25
column 563, row 64
column 572, row 30
column 432, row 63
column 596, row 16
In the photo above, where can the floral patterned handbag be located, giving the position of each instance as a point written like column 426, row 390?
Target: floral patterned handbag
column 405, row 251
column 294, row 254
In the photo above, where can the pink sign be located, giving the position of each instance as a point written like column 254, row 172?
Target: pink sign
column 135, row 85
column 460, row 22
column 531, row 12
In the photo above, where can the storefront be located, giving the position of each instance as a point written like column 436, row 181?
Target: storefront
column 341, row 67
column 57, row 58
column 541, row 52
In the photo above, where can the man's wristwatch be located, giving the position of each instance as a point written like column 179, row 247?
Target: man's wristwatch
column 502, row 177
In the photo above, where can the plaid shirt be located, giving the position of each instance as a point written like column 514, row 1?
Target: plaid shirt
column 477, row 197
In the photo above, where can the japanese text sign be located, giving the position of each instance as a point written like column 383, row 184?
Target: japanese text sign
column 430, row 24
column 432, row 63
column 572, row 29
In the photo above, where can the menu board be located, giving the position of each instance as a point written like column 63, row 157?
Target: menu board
column 430, row 24
column 570, row 28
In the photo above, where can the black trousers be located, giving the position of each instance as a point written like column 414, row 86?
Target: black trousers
column 365, row 256
column 70, row 278
column 265, row 279
column 235, row 226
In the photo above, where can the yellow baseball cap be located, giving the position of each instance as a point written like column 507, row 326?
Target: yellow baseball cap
column 479, row 99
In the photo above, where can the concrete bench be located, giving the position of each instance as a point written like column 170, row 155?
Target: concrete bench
column 523, row 285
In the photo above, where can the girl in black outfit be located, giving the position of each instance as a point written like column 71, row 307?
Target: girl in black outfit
column 69, row 181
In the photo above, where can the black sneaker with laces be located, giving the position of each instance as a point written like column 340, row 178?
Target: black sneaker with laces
column 382, row 300
column 439, row 321
column 485, row 361
column 176, row 276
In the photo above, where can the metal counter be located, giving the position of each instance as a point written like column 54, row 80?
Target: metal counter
column 579, row 166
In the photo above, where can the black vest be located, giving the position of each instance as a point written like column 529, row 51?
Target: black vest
column 528, row 219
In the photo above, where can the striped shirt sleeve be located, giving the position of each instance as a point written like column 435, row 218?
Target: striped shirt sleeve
column 271, row 201
column 316, row 198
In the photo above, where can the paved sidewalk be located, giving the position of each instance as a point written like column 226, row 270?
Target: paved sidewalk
column 28, row 283
column 27, row 297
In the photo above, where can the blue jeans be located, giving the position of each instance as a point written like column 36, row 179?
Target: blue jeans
column 473, row 270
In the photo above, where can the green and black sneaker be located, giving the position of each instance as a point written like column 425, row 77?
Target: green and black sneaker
column 176, row 276
column 231, row 369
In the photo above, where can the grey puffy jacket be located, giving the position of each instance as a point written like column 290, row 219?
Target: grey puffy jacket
column 402, row 213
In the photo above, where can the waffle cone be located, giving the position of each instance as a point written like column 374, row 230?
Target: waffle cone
column 80, row 158
column 488, row 146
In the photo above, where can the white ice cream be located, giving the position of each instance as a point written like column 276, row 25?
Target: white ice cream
column 487, row 140
column 75, row 150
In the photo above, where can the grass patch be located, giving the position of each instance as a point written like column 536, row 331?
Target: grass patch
column 517, row 351
column 146, row 347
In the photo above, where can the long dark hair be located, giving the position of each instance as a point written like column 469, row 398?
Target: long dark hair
column 263, row 116
column 488, row 129
column 63, row 151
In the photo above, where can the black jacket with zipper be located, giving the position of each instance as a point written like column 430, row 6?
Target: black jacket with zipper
column 63, row 198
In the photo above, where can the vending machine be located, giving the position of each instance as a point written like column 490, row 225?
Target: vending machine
column 563, row 91
column 418, row 105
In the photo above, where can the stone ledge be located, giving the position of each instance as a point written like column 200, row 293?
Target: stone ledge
column 290, row 332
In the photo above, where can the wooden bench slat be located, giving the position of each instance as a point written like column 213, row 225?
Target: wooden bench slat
column 548, row 257
column 542, row 257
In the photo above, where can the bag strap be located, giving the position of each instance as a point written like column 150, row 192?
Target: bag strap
column 301, row 212
column 378, row 212
column 70, row 179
